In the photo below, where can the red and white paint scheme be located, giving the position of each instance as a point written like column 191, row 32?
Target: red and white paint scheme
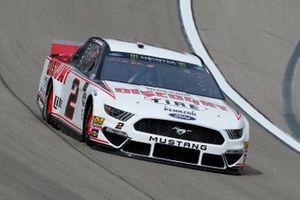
column 77, row 90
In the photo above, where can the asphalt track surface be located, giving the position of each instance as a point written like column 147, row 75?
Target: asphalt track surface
column 38, row 162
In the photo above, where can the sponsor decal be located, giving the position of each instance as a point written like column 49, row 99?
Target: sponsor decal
column 174, row 142
column 81, row 113
column 57, row 102
column 179, row 111
column 134, row 56
column 58, row 70
column 180, row 131
column 83, row 100
column 98, row 121
column 181, row 116
column 149, row 59
column 94, row 133
column 181, row 64
column 172, row 99
column 176, row 104
column 157, row 60
column 85, row 86
column 84, row 96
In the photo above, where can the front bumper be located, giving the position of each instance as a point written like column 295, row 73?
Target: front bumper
column 229, row 155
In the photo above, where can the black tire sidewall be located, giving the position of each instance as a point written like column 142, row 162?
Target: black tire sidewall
column 46, row 115
column 85, row 136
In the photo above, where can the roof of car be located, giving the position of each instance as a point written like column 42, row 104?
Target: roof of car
column 144, row 49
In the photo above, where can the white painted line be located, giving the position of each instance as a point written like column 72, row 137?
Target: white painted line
column 186, row 13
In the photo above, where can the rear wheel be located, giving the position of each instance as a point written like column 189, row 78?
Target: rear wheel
column 87, row 130
column 47, row 109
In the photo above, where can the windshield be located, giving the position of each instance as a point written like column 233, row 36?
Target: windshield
column 158, row 72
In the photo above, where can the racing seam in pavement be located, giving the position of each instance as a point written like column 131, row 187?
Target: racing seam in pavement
column 287, row 93
column 68, row 143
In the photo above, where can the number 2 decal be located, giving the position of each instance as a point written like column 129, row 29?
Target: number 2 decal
column 70, row 108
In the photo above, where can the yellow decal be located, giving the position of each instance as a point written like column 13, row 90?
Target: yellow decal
column 98, row 120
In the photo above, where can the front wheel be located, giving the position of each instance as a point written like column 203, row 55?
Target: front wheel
column 87, row 130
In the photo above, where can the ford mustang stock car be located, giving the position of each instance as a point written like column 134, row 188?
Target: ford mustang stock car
column 144, row 101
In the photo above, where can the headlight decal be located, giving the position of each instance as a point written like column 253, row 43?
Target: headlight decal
column 234, row 134
column 117, row 113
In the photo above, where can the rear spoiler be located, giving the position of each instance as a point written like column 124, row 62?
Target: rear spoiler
column 64, row 47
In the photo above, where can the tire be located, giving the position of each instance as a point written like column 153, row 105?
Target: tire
column 87, row 130
column 47, row 109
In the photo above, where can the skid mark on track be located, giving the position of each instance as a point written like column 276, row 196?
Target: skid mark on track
column 277, row 37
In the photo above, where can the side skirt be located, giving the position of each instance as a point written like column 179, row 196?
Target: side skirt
column 66, row 128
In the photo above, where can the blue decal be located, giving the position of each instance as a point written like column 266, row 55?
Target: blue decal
column 181, row 116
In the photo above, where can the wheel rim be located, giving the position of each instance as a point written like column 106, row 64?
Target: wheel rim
column 50, row 102
column 89, row 123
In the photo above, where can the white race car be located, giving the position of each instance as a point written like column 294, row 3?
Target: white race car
column 143, row 101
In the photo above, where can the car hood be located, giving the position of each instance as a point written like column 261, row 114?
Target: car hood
column 158, row 103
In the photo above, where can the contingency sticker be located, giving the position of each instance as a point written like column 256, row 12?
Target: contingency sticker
column 98, row 120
